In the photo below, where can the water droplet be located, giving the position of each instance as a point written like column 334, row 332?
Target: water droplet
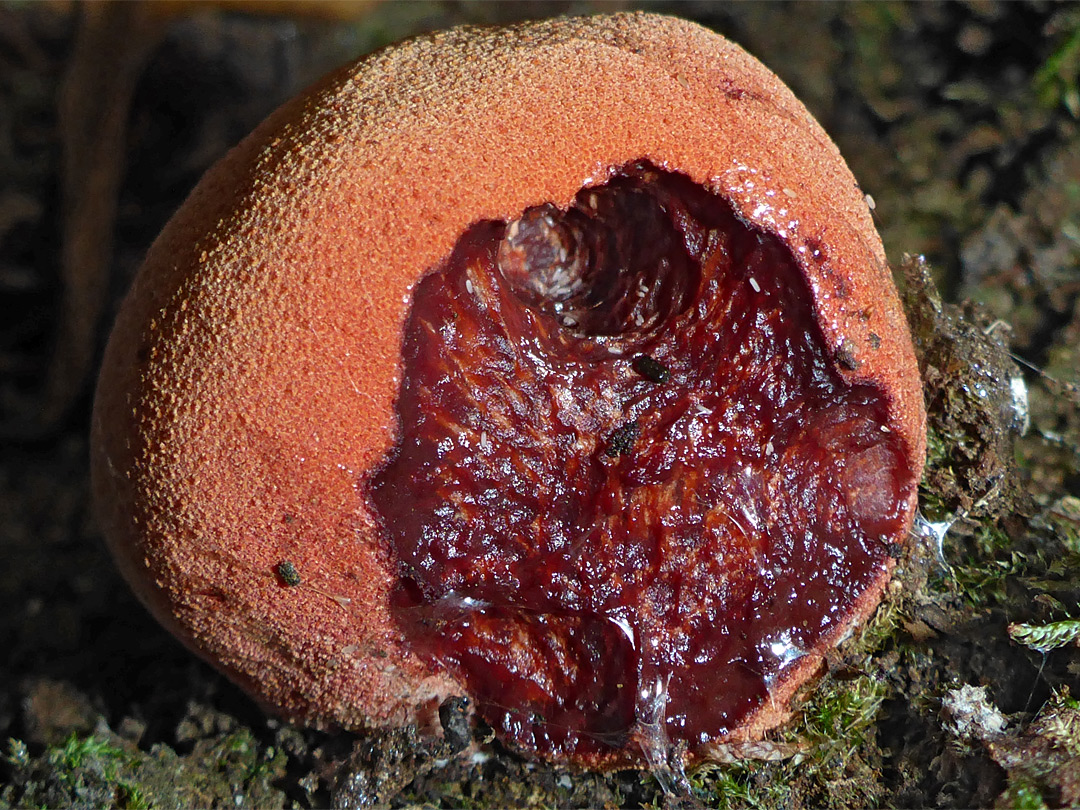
column 934, row 532
column 1020, row 403
column 784, row 649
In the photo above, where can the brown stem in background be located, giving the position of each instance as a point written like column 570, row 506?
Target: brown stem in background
column 113, row 43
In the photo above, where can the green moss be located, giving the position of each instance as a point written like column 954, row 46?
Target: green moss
column 834, row 761
column 989, row 558
column 1062, row 519
column 1045, row 637
column 1022, row 796
column 1059, row 723
column 837, row 719
column 733, row 786
column 1056, row 81
column 938, row 454
column 81, row 771
column 17, row 755
column 102, row 770
column 77, row 753
column 831, row 758
column 129, row 796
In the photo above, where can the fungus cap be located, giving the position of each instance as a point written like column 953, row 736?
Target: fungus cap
column 249, row 392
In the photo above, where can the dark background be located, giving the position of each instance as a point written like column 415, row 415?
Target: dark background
column 959, row 119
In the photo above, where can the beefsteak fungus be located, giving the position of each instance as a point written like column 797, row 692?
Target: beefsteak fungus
column 558, row 366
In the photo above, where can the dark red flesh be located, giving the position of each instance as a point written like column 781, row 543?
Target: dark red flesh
column 607, row 549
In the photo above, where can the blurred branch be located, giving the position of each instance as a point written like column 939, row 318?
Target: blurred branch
column 113, row 43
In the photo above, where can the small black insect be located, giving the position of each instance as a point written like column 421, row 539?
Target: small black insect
column 622, row 439
column 288, row 573
column 651, row 368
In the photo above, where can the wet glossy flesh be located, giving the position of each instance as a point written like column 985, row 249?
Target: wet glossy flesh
column 631, row 489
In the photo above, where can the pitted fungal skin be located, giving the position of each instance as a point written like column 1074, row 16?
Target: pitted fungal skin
column 249, row 393
column 567, row 586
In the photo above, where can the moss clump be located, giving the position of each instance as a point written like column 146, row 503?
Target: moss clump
column 828, row 756
column 1056, row 81
column 989, row 558
column 80, row 772
column 1022, row 795
column 103, row 770
column 1043, row 762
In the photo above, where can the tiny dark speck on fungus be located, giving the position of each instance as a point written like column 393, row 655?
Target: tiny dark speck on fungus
column 846, row 356
column 651, row 369
column 622, row 439
column 288, row 574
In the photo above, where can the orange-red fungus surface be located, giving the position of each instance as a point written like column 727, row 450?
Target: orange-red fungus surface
column 557, row 366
